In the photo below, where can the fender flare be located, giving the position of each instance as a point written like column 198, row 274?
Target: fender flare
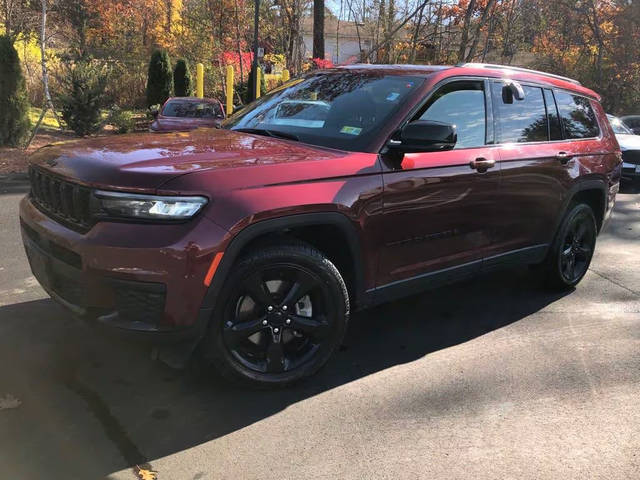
column 580, row 186
column 255, row 230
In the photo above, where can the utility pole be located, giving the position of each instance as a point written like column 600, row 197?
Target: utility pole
column 318, row 29
column 254, row 67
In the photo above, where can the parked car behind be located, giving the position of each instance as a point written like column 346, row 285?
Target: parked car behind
column 632, row 122
column 187, row 113
column 630, row 146
column 347, row 188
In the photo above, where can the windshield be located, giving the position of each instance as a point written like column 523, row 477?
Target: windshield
column 618, row 127
column 342, row 110
column 180, row 108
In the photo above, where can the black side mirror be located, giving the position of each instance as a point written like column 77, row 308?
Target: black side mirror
column 512, row 90
column 424, row 136
column 154, row 112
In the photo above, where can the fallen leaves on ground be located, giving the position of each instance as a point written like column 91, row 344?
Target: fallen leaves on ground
column 144, row 474
column 9, row 401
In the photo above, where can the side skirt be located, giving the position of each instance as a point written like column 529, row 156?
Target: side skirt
column 427, row 281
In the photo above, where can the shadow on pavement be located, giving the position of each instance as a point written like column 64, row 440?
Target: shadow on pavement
column 146, row 411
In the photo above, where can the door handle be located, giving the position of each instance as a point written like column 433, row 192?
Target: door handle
column 482, row 164
column 563, row 157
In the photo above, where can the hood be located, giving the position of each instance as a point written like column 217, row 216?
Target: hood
column 628, row 142
column 146, row 161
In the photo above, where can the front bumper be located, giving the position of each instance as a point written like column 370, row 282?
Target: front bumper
column 140, row 278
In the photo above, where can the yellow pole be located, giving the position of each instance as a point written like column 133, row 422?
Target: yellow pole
column 229, row 90
column 200, row 80
column 285, row 75
column 258, row 74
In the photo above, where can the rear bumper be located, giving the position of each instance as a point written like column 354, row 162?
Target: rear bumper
column 142, row 279
column 630, row 171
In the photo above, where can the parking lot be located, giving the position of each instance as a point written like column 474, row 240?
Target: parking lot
column 494, row 378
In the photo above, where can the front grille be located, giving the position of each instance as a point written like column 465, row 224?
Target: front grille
column 66, row 201
column 631, row 156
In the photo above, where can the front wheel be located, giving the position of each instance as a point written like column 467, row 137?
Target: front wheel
column 573, row 247
column 281, row 314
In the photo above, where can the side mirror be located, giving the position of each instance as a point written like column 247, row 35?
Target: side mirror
column 512, row 90
column 425, row 136
column 154, row 112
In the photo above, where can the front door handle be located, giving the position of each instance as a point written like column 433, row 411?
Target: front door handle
column 564, row 157
column 482, row 164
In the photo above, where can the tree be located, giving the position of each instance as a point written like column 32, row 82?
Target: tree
column 14, row 104
column 318, row 28
column 83, row 97
column 159, row 78
column 182, row 83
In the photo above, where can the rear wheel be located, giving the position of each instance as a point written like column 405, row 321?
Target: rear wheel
column 281, row 314
column 572, row 250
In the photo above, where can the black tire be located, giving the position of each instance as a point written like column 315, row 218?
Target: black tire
column 274, row 353
column 572, row 250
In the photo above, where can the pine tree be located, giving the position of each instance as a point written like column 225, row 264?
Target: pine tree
column 182, row 83
column 159, row 78
column 14, row 103
column 83, row 96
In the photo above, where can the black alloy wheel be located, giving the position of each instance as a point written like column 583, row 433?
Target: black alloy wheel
column 283, row 313
column 573, row 248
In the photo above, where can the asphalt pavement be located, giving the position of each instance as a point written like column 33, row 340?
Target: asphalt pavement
column 495, row 378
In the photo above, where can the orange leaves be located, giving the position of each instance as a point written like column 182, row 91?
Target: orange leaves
column 145, row 474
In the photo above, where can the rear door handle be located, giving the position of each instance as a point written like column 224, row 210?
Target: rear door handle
column 563, row 157
column 482, row 164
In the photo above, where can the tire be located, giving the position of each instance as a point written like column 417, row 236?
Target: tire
column 263, row 333
column 572, row 250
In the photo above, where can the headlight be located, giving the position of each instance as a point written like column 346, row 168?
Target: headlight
column 150, row 207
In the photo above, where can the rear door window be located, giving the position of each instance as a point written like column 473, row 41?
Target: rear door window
column 577, row 116
column 520, row 120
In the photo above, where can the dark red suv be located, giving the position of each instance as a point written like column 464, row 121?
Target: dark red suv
column 343, row 189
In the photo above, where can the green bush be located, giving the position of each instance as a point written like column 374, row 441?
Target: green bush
column 182, row 83
column 14, row 103
column 83, row 95
column 159, row 78
column 122, row 120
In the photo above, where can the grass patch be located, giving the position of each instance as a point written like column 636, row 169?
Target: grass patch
column 49, row 120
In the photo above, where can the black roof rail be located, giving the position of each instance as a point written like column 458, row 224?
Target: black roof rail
column 517, row 69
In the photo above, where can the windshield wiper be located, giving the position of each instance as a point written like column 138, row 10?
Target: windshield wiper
column 268, row 133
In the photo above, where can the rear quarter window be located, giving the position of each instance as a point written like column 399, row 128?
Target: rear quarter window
column 577, row 116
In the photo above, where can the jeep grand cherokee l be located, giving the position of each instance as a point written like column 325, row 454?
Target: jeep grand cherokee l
column 341, row 190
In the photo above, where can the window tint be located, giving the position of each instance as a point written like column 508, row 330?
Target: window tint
column 577, row 116
column 461, row 104
column 338, row 109
column 521, row 120
column 179, row 108
column 555, row 131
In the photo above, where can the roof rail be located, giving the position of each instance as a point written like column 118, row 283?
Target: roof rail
column 517, row 69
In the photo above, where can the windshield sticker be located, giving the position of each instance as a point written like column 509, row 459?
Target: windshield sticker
column 393, row 96
column 350, row 130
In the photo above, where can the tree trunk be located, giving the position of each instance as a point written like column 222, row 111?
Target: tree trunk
column 476, row 35
column 464, row 37
column 318, row 29
column 238, row 48
column 48, row 103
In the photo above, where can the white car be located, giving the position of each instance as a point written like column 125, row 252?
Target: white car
column 630, row 146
